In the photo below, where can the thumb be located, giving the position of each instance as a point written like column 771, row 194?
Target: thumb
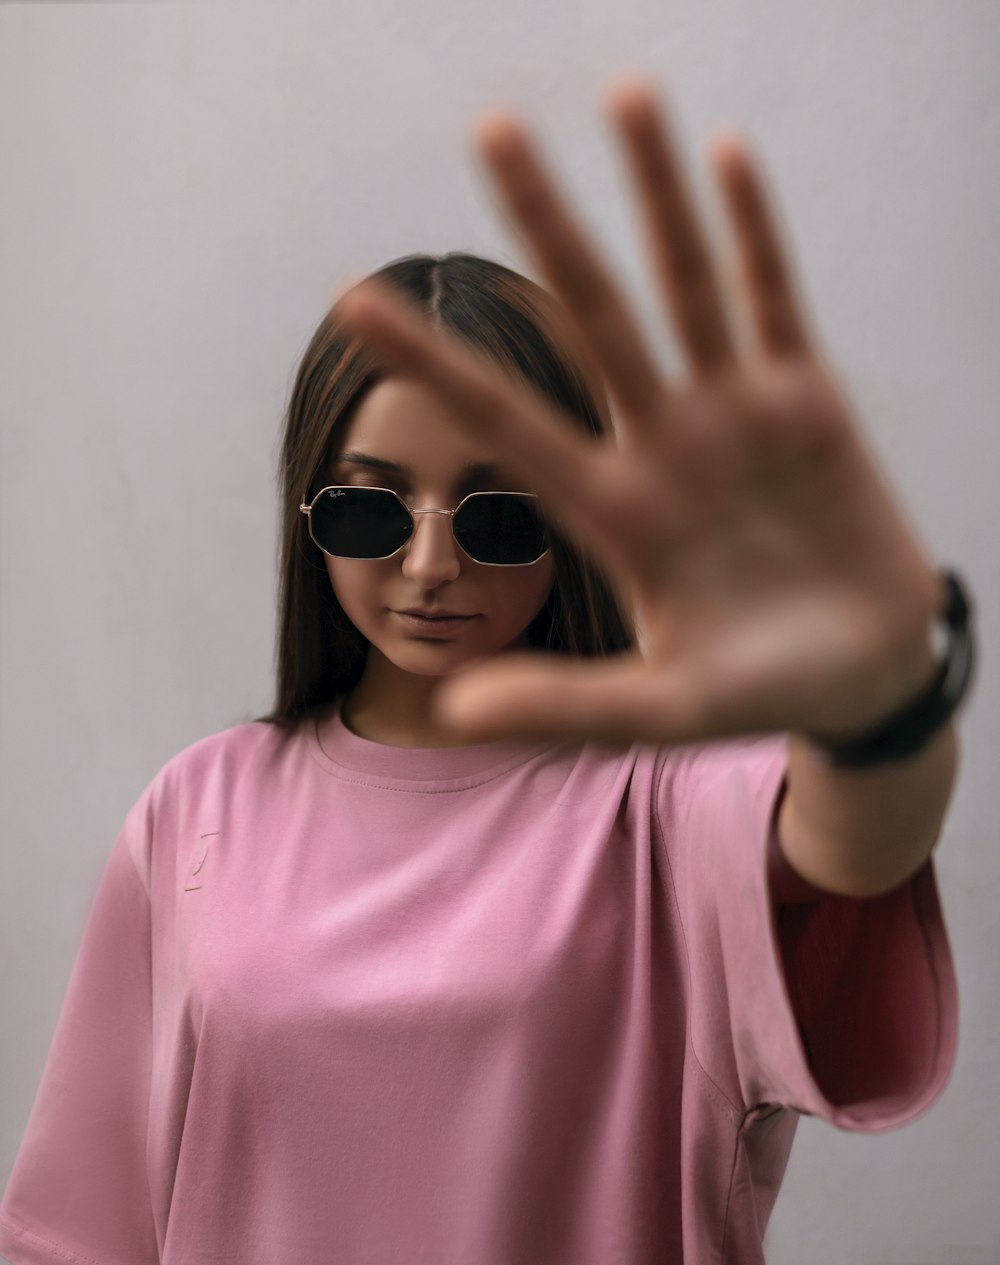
column 533, row 693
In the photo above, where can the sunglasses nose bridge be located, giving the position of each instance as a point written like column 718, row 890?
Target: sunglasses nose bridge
column 449, row 514
column 429, row 558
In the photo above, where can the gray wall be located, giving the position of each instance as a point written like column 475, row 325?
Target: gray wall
column 183, row 188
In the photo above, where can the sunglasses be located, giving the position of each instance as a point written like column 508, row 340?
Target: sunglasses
column 500, row 529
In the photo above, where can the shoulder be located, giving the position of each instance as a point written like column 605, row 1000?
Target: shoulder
column 733, row 766
column 714, row 805
column 248, row 740
column 231, row 774
column 221, row 763
column 236, row 745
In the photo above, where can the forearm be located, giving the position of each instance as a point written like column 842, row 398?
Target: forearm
column 861, row 832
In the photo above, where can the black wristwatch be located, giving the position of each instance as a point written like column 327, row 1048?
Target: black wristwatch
column 910, row 729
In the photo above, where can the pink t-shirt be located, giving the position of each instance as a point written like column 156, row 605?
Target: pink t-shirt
column 520, row 1003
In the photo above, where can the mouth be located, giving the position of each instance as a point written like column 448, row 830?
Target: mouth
column 433, row 623
column 421, row 614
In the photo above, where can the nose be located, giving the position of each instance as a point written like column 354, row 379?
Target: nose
column 431, row 556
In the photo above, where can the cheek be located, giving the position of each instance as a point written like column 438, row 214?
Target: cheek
column 354, row 586
column 521, row 595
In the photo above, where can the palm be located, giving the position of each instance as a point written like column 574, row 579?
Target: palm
column 738, row 514
column 758, row 558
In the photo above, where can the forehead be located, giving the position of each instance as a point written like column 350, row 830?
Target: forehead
column 405, row 422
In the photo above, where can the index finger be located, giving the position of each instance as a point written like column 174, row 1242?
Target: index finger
column 525, row 427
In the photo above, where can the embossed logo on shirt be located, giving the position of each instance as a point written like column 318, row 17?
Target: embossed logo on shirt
column 197, row 869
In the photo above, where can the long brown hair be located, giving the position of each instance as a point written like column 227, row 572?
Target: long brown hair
column 320, row 655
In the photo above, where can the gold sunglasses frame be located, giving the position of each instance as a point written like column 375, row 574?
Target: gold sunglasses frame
column 307, row 508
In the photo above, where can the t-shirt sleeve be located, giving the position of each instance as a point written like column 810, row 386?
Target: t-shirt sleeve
column 79, row 1190
column 843, row 1008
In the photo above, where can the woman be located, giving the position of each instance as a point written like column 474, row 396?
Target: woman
column 503, row 938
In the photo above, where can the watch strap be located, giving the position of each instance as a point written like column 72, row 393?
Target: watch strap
column 910, row 729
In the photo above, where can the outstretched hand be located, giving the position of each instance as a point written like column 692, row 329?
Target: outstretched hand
column 737, row 512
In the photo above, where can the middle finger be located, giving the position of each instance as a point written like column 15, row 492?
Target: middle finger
column 680, row 252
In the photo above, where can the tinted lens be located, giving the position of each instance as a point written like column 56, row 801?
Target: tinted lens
column 500, row 527
column 360, row 522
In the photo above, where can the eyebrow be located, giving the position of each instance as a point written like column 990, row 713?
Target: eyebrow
column 475, row 469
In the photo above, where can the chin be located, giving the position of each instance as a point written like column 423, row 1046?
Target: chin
column 430, row 661
column 439, row 658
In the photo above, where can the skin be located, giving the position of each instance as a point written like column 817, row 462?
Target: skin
column 405, row 422
column 776, row 582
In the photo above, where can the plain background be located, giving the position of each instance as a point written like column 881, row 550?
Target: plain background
column 183, row 189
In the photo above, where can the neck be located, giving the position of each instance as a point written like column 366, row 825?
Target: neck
column 395, row 707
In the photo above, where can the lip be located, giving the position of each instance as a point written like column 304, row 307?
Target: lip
column 428, row 614
column 433, row 626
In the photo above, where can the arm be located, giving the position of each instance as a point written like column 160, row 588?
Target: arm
column 861, row 832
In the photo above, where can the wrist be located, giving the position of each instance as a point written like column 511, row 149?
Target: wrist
column 912, row 726
column 912, row 677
